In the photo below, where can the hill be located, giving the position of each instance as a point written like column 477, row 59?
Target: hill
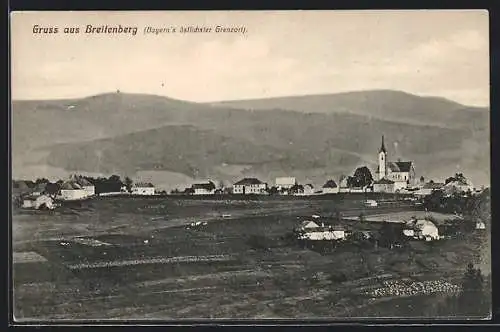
column 383, row 104
column 126, row 133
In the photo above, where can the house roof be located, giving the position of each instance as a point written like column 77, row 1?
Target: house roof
column 144, row 185
column 83, row 182
column 400, row 166
column 248, row 181
column 330, row 184
column 207, row 186
column 308, row 224
column 384, row 181
column 424, row 223
column 70, row 185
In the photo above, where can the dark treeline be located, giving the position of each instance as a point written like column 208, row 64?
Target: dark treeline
column 474, row 208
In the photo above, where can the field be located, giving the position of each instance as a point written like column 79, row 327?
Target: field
column 134, row 258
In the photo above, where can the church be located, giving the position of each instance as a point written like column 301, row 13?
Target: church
column 392, row 176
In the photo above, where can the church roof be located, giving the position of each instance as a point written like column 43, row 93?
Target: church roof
column 400, row 166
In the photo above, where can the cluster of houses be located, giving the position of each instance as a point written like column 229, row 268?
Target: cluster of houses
column 45, row 195
column 390, row 177
column 314, row 230
column 254, row 186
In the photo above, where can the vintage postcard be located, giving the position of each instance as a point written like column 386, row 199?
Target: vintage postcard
column 204, row 165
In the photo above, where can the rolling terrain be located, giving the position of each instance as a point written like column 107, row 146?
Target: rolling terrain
column 310, row 137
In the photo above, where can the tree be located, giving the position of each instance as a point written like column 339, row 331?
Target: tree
column 362, row 177
column 41, row 181
column 273, row 190
column 128, row 183
column 388, row 235
column 473, row 299
column 52, row 189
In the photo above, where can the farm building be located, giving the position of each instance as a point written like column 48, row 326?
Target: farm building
column 383, row 186
column 324, row 233
column 422, row 230
column 249, row 186
column 330, row 187
column 71, row 191
column 37, row 202
column 143, row 188
column 86, row 185
column 285, row 182
column 207, row 188
column 308, row 189
column 302, row 190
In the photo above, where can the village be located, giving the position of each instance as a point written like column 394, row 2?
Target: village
column 391, row 177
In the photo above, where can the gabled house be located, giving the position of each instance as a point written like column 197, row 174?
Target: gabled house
column 143, row 188
column 38, row 202
column 70, row 191
column 249, row 186
column 207, row 188
column 86, row 185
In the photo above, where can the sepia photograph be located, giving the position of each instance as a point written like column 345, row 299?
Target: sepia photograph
column 250, row 165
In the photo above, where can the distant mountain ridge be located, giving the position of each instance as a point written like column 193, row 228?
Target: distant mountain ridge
column 311, row 137
column 383, row 104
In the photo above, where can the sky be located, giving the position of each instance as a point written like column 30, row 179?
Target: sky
column 438, row 53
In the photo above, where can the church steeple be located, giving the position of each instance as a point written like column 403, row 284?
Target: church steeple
column 382, row 147
column 382, row 161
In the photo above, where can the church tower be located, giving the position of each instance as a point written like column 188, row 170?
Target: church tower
column 382, row 161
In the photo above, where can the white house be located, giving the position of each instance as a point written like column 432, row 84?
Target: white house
column 425, row 229
column 249, row 186
column 207, row 188
column 303, row 190
column 330, row 187
column 308, row 189
column 142, row 188
column 401, row 172
column 87, row 186
column 324, row 233
column 71, row 191
column 285, row 182
column 37, row 202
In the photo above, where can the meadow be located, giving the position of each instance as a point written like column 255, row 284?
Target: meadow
column 134, row 258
